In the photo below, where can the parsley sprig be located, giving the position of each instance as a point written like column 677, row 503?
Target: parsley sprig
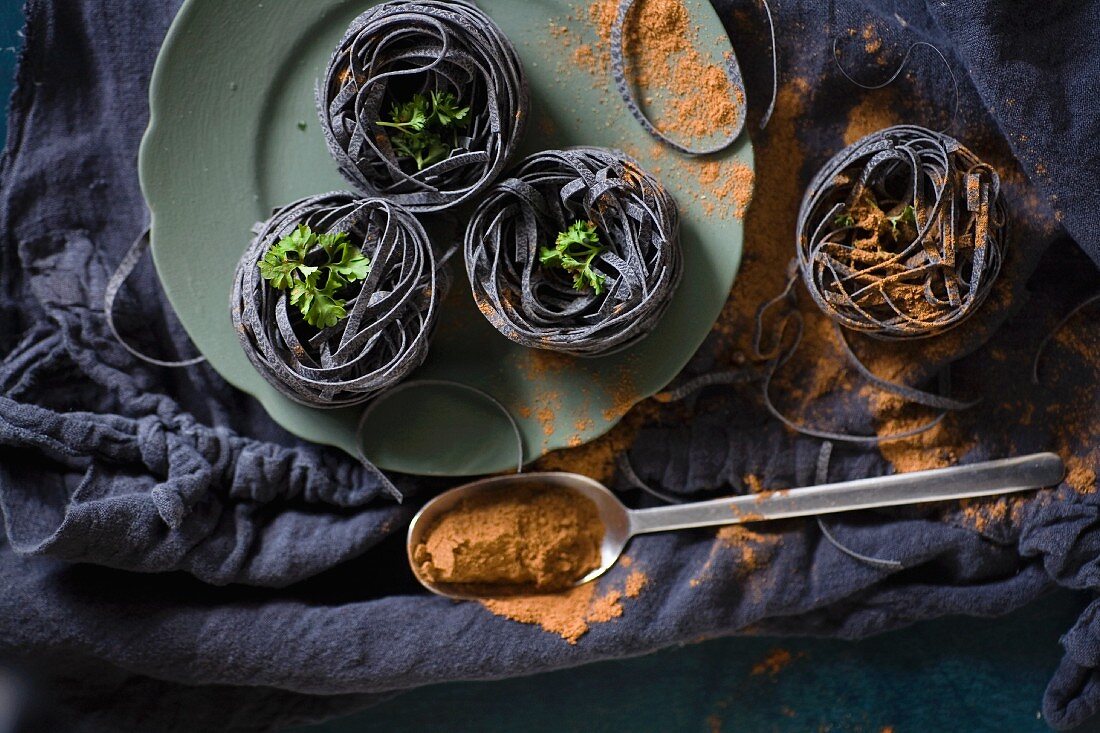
column 907, row 215
column 574, row 251
column 314, row 287
column 419, row 125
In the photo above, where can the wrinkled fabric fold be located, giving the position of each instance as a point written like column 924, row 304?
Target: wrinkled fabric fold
column 141, row 484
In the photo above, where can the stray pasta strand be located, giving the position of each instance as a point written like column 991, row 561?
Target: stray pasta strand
column 901, row 68
column 626, row 90
column 110, row 294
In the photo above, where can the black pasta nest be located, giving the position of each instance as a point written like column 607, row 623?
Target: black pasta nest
column 402, row 48
column 389, row 314
column 902, row 234
column 542, row 307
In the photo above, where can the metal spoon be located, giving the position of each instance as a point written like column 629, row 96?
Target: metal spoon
column 1005, row 476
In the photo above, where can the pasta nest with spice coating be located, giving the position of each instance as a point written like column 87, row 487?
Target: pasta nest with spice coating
column 626, row 287
column 400, row 54
column 388, row 306
column 902, row 234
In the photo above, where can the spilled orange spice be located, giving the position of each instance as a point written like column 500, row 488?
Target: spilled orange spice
column 570, row 614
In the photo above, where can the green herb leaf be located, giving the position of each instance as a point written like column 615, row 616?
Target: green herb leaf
column 332, row 241
column 299, row 242
column 325, row 311
column 588, row 276
column 574, row 251
column 407, row 145
column 434, row 150
column 277, row 269
column 279, row 263
column 301, row 294
column 844, row 220
column 283, row 265
column 580, row 233
column 446, row 110
column 417, row 123
column 549, row 257
column 907, row 215
column 410, row 116
column 352, row 265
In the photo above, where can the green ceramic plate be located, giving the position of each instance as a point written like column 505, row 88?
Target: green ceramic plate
column 233, row 133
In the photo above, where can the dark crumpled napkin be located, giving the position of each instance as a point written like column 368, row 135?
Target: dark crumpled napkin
column 173, row 561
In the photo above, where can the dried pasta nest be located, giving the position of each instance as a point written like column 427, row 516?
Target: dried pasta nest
column 541, row 307
column 401, row 48
column 902, row 234
column 390, row 313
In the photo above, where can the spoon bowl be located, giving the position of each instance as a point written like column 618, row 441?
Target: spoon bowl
column 1005, row 476
column 614, row 516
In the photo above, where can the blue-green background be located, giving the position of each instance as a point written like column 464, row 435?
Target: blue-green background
column 961, row 674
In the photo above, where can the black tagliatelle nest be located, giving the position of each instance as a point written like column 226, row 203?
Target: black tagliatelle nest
column 542, row 307
column 390, row 312
column 902, row 234
column 400, row 49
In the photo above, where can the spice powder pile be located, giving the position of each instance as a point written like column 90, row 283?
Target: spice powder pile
column 571, row 613
column 524, row 548
column 661, row 52
column 683, row 87
column 529, row 538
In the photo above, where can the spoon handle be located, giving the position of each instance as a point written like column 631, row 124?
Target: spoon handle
column 1003, row 476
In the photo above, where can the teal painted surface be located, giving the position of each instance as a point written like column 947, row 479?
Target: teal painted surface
column 964, row 675
column 11, row 22
column 960, row 675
